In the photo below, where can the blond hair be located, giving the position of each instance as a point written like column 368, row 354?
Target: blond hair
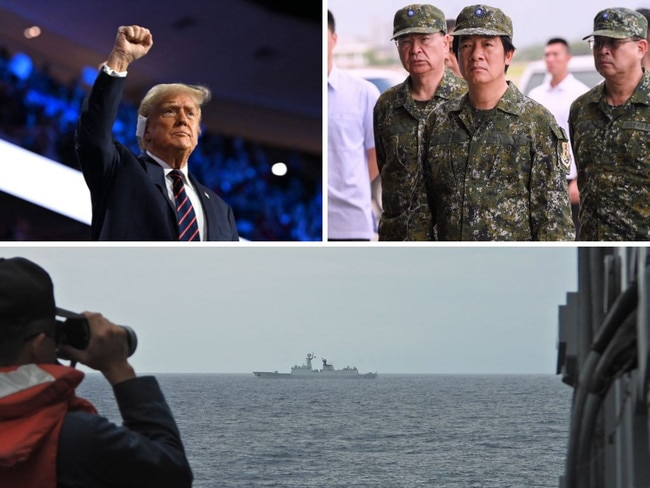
column 154, row 97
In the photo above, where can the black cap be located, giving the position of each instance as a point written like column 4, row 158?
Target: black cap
column 26, row 293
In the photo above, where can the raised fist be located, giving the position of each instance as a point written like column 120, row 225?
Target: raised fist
column 131, row 43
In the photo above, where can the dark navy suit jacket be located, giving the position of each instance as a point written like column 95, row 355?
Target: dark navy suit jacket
column 128, row 193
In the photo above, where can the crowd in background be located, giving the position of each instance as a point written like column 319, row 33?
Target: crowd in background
column 39, row 113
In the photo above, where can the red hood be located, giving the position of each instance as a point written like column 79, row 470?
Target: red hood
column 33, row 401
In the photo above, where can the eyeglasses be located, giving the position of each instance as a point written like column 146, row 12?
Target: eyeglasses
column 597, row 43
column 407, row 42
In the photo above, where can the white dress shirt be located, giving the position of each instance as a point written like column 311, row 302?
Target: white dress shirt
column 350, row 104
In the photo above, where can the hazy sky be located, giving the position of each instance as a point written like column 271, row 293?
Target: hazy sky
column 387, row 309
column 533, row 22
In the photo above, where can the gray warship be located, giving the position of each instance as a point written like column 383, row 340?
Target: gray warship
column 306, row 371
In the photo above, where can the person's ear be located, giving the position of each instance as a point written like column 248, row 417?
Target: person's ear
column 36, row 350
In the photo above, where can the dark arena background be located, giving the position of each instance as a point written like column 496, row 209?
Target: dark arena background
column 261, row 59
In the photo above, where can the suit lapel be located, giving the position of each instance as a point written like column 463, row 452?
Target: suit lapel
column 156, row 175
column 208, row 206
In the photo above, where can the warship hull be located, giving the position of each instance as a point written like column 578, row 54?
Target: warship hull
column 306, row 372
column 273, row 375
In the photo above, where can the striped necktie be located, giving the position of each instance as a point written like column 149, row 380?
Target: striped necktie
column 188, row 229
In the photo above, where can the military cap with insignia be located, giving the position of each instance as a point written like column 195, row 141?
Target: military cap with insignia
column 619, row 23
column 482, row 20
column 418, row 19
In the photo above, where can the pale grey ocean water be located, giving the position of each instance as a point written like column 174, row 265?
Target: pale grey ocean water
column 395, row 431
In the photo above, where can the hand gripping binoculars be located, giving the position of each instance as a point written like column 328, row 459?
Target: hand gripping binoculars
column 74, row 331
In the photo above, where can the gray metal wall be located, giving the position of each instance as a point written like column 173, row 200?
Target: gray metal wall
column 603, row 351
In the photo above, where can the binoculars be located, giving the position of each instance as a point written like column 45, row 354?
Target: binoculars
column 75, row 332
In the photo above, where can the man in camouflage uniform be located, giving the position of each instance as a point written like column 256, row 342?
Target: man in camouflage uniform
column 499, row 160
column 610, row 129
column 399, row 120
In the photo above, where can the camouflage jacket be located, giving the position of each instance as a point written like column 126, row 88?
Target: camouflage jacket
column 399, row 130
column 611, row 146
column 504, row 179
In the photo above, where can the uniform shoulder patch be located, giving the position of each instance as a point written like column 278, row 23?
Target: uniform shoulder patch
column 564, row 155
column 563, row 148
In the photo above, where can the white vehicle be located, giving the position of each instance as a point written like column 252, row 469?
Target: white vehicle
column 582, row 67
column 381, row 78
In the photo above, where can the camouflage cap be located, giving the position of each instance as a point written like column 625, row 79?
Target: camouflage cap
column 418, row 19
column 619, row 23
column 481, row 20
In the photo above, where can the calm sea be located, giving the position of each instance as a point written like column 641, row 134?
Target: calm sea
column 395, row 431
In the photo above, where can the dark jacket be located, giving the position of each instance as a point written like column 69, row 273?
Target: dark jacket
column 146, row 451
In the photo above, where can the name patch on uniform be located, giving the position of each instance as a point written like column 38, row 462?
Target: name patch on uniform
column 636, row 125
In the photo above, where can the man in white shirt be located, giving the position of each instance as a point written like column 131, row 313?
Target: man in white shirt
column 559, row 89
column 351, row 157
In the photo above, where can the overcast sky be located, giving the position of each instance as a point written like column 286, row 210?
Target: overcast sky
column 385, row 309
column 533, row 22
